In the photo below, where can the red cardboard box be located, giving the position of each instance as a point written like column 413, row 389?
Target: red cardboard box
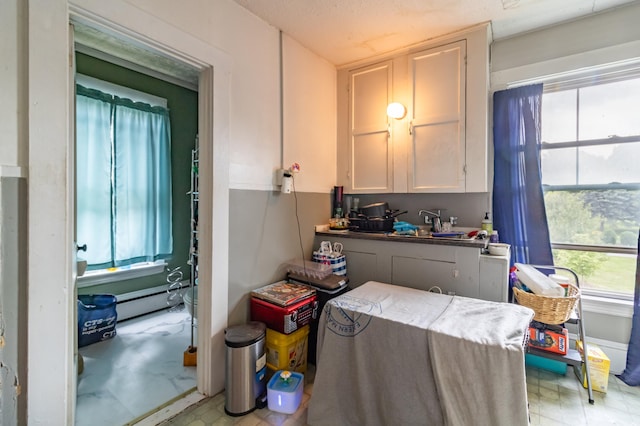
column 549, row 340
column 284, row 319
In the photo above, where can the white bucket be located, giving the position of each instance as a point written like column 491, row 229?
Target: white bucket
column 191, row 302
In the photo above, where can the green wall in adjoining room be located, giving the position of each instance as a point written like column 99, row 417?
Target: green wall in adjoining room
column 183, row 112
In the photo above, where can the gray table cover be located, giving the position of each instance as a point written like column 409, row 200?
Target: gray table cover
column 391, row 355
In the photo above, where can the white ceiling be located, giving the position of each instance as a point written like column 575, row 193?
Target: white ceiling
column 344, row 31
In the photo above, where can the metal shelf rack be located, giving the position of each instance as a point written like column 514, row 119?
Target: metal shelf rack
column 573, row 356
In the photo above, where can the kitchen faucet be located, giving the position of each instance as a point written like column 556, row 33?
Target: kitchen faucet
column 436, row 223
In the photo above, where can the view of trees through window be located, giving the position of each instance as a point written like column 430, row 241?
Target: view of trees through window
column 601, row 218
column 591, row 178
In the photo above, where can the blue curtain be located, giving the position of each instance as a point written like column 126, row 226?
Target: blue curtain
column 123, row 180
column 518, row 201
column 631, row 374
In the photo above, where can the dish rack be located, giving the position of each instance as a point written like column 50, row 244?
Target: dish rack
column 559, row 310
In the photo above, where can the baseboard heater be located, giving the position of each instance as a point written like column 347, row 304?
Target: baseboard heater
column 142, row 302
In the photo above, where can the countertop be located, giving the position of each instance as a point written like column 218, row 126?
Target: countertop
column 481, row 244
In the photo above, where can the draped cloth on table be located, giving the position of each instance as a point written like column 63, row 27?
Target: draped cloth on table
column 395, row 355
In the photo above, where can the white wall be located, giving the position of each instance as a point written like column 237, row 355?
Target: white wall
column 309, row 117
column 13, row 80
column 611, row 37
column 250, row 125
column 257, row 148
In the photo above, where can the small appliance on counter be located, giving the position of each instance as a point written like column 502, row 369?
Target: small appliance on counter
column 337, row 211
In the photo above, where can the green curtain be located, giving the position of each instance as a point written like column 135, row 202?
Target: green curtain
column 124, row 201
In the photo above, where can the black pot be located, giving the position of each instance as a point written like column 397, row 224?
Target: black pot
column 375, row 210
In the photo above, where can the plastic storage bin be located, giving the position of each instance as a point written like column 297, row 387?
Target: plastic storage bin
column 284, row 391
column 287, row 351
column 97, row 317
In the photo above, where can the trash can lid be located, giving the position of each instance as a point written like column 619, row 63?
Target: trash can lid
column 244, row 334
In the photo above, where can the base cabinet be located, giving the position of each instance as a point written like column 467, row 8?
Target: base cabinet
column 458, row 270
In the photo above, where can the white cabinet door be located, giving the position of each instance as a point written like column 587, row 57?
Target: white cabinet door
column 370, row 154
column 437, row 149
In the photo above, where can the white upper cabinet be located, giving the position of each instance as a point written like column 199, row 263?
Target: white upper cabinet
column 370, row 156
column 436, row 156
column 442, row 143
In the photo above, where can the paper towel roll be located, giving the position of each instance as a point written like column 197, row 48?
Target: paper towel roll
column 538, row 282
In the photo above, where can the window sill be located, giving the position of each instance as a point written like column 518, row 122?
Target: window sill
column 607, row 306
column 120, row 274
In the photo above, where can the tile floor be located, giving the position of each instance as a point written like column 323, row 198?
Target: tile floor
column 554, row 400
column 137, row 371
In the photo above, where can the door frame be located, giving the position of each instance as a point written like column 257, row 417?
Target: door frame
column 51, row 390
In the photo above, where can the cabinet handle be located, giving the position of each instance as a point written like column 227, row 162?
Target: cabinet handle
column 411, row 128
column 389, row 130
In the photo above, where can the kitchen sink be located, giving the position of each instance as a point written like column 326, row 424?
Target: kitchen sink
column 457, row 233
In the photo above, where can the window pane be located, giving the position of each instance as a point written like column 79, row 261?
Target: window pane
column 594, row 217
column 609, row 163
column 609, row 109
column 606, row 272
column 559, row 116
column 558, row 166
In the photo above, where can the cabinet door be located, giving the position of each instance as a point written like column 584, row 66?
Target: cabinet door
column 370, row 158
column 423, row 274
column 437, row 113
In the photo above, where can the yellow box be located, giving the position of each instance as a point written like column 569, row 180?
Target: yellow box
column 288, row 351
column 598, row 366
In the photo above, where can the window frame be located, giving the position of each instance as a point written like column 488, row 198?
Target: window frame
column 142, row 268
column 577, row 83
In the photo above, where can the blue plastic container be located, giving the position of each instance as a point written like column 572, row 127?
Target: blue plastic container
column 552, row 365
column 97, row 318
column 285, row 395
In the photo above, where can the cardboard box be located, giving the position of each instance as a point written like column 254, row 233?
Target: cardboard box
column 551, row 339
column 599, row 364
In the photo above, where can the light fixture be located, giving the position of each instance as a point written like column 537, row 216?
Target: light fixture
column 396, row 110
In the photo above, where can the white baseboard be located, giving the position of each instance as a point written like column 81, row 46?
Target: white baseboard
column 142, row 302
column 617, row 352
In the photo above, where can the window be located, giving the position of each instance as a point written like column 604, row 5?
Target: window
column 591, row 178
column 123, row 189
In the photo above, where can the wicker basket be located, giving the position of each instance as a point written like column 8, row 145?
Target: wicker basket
column 549, row 310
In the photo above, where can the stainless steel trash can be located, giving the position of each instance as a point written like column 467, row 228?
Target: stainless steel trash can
column 245, row 374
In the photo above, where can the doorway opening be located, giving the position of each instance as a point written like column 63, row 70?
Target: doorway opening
column 200, row 75
column 154, row 325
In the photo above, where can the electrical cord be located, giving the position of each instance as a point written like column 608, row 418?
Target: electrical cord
column 295, row 197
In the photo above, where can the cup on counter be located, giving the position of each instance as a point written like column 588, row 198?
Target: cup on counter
column 446, row 227
column 347, row 205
